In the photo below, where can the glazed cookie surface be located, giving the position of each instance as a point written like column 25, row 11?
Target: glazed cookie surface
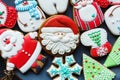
column 112, row 19
column 15, row 47
column 30, row 16
column 97, row 39
column 52, row 7
column 8, row 15
column 87, row 14
column 93, row 70
column 64, row 70
column 59, row 35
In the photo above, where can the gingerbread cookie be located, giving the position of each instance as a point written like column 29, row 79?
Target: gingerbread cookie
column 52, row 7
column 8, row 15
column 30, row 16
column 63, row 69
column 87, row 14
column 114, row 57
column 17, row 50
column 97, row 39
column 59, row 35
column 112, row 19
column 95, row 71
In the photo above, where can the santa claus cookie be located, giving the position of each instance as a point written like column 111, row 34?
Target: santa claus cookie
column 87, row 14
column 59, row 35
column 52, row 7
column 97, row 39
column 21, row 51
column 30, row 16
column 8, row 15
column 112, row 19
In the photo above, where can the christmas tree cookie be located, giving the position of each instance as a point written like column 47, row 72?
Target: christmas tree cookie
column 95, row 71
column 114, row 57
column 97, row 39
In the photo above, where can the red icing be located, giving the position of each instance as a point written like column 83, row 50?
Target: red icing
column 34, row 65
column 21, row 58
column 61, row 21
column 40, row 57
column 94, row 50
column 11, row 17
column 103, row 3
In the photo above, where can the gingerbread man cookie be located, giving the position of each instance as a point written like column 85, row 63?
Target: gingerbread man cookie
column 112, row 19
column 30, row 16
column 97, row 39
column 59, row 35
column 8, row 15
column 17, row 50
column 52, row 7
column 87, row 14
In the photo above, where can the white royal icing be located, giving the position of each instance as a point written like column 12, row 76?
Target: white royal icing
column 52, row 7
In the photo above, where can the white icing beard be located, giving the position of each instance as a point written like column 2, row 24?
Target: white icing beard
column 16, row 41
column 59, row 45
column 87, row 13
column 3, row 8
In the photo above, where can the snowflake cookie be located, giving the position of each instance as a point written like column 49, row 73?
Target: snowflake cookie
column 97, row 39
column 114, row 57
column 61, row 70
column 95, row 71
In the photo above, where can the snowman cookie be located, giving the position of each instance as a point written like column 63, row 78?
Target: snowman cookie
column 87, row 14
column 30, row 16
column 97, row 39
column 8, row 15
column 59, row 35
column 52, row 7
column 17, row 49
column 112, row 19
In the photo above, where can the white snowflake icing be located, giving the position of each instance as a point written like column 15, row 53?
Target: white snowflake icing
column 102, row 51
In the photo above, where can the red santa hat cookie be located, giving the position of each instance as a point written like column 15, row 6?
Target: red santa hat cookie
column 87, row 14
column 8, row 15
column 59, row 35
column 16, row 48
column 97, row 39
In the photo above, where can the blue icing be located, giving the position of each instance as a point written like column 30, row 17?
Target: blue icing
column 69, row 60
column 54, row 72
column 118, row 28
column 58, row 61
column 31, row 7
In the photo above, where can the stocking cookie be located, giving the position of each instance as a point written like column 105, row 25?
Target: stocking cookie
column 52, row 7
column 87, row 14
column 8, row 15
column 20, row 51
column 95, row 71
column 112, row 19
column 97, row 39
column 59, row 35
column 30, row 16
column 60, row 70
column 114, row 57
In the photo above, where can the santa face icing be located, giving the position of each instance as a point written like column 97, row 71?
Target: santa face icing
column 87, row 14
column 112, row 19
column 30, row 16
column 52, row 7
column 8, row 15
column 97, row 39
column 59, row 35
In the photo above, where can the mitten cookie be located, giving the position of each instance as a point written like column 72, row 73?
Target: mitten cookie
column 97, row 39
column 30, row 16
column 52, row 7
column 59, row 35
column 8, row 15
column 112, row 19
column 114, row 57
column 21, row 51
column 93, row 70
column 87, row 14
column 64, row 69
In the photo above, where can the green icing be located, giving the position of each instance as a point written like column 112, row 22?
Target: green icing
column 96, row 37
column 1, row 13
column 95, row 71
column 114, row 57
